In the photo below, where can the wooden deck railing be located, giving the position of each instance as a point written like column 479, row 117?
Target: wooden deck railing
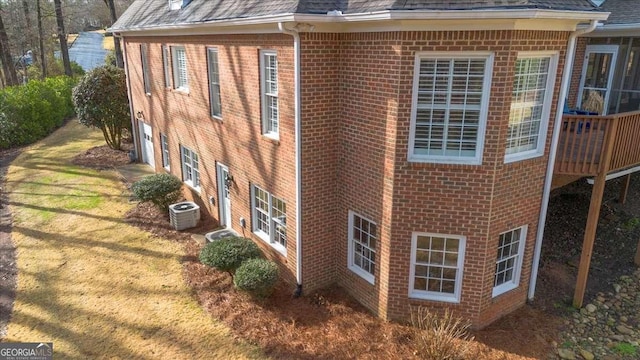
column 591, row 144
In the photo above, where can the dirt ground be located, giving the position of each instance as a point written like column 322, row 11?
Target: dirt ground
column 330, row 324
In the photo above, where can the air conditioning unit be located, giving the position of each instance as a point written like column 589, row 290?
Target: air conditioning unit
column 184, row 215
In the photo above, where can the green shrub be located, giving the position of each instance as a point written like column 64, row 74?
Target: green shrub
column 101, row 101
column 227, row 254
column 32, row 111
column 257, row 277
column 161, row 190
column 110, row 59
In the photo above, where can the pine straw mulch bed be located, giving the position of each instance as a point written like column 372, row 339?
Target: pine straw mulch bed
column 325, row 324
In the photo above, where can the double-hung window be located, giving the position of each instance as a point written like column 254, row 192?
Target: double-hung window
column 269, row 93
column 531, row 97
column 362, row 246
column 165, row 64
column 215, row 102
column 436, row 267
column 180, row 74
column 269, row 215
column 144, row 54
column 450, row 106
column 190, row 168
column 164, row 145
column 509, row 260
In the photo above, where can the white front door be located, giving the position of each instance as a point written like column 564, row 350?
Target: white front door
column 146, row 144
column 597, row 74
column 224, row 196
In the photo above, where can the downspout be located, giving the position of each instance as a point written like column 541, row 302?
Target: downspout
column 298, row 148
column 134, row 125
column 564, row 88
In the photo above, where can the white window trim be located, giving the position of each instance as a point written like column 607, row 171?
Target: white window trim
column 164, row 149
column 369, row 277
column 144, row 59
column 268, row 238
column 431, row 295
column 211, row 50
column 546, row 109
column 166, row 57
column 515, row 282
column 175, row 4
column 190, row 182
column 176, row 71
column 263, row 96
column 484, row 107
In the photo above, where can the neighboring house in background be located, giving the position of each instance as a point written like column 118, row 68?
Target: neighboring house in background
column 399, row 149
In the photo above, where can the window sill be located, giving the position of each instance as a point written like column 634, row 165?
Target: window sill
column 167, row 169
column 511, row 158
column 444, row 160
column 197, row 189
column 368, row 277
column 434, row 297
column 181, row 91
column 275, row 139
column 148, row 94
column 277, row 247
column 216, row 118
column 504, row 288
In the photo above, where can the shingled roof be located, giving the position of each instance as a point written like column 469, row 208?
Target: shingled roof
column 622, row 11
column 155, row 13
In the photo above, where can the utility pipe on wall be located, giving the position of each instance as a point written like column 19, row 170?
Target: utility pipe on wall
column 298, row 148
column 564, row 88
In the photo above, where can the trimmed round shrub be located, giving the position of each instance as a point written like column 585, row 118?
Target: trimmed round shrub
column 161, row 190
column 257, row 277
column 227, row 254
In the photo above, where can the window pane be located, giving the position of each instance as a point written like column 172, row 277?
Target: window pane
column 449, row 97
column 508, row 257
column 214, row 83
column 363, row 241
column 437, row 260
column 527, row 103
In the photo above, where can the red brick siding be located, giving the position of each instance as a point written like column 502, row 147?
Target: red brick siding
column 321, row 107
column 356, row 106
column 576, row 74
column 236, row 141
column 375, row 179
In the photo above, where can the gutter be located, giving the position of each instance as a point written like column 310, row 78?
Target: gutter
column 298, row 148
column 134, row 127
column 338, row 17
column 564, row 89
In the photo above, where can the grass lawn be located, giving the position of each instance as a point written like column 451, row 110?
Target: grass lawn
column 88, row 282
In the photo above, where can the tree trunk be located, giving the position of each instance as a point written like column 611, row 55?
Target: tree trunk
column 116, row 40
column 5, row 53
column 62, row 36
column 43, row 62
column 28, row 30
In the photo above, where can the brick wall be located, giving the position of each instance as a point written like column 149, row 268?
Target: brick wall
column 356, row 105
column 576, row 74
column 321, row 107
column 375, row 179
column 236, row 140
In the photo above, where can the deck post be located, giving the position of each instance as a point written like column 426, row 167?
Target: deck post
column 594, row 214
column 589, row 238
column 624, row 189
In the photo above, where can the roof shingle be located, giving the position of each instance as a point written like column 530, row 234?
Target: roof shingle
column 152, row 13
column 622, row 11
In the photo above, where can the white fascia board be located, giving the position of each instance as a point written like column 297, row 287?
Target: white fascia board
column 226, row 26
column 613, row 30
